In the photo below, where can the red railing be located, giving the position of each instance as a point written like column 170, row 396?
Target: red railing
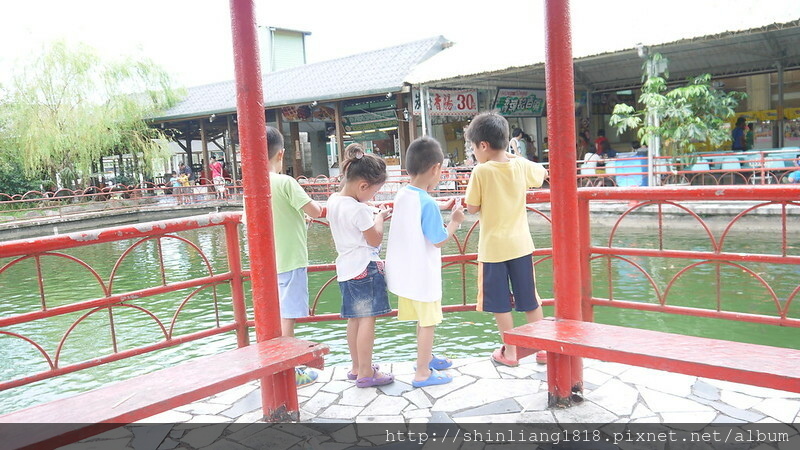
column 662, row 205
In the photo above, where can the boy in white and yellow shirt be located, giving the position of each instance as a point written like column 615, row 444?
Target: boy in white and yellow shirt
column 414, row 255
column 497, row 190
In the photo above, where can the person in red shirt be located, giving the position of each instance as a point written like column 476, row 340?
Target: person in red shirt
column 216, row 176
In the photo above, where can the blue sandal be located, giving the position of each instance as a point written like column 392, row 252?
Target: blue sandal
column 440, row 363
column 434, row 379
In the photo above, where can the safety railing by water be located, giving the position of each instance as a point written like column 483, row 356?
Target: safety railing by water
column 32, row 259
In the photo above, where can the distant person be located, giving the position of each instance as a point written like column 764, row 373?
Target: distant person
column 750, row 137
column 530, row 148
column 738, row 136
column 185, row 190
column 184, row 169
column 497, row 191
column 414, row 255
column 591, row 161
column 516, row 146
column 601, row 138
column 217, row 178
column 357, row 230
column 290, row 204
column 175, row 183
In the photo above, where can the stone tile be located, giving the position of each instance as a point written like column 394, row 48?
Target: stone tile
column 98, row 445
column 615, row 396
column 168, row 444
column 340, row 372
column 641, row 411
column 403, row 368
column 792, row 444
column 225, row 444
column 319, row 402
column 537, row 417
column 660, row 402
column 444, row 389
column 755, row 391
column 269, row 437
column 418, row 398
column 395, row 389
column 325, row 375
column 167, row 417
column 116, row 433
column 484, row 369
column 782, row 409
column 586, row 412
column 521, row 371
column 385, row 405
column 482, row 392
column 419, row 413
column 336, row 386
column 380, row 419
column 418, row 420
column 346, row 435
column 467, row 361
column 595, row 377
column 204, row 436
column 340, row 412
column 739, row 401
column 149, row 436
column 245, row 404
column 689, row 417
column 658, row 380
column 202, row 408
column 490, row 418
column 610, row 368
column 440, row 417
column 533, row 402
column 311, row 389
column 208, row 418
column 504, row 407
column 248, row 418
column 723, row 419
column 230, row 396
column 705, row 390
column 357, row 396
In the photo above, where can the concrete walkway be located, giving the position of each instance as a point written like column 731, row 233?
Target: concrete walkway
column 480, row 393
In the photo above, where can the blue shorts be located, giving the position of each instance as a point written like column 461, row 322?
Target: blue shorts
column 494, row 294
column 365, row 295
column 293, row 293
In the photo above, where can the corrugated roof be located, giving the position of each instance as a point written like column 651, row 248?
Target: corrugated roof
column 375, row 72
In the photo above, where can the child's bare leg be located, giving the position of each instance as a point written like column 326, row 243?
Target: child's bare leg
column 365, row 341
column 505, row 322
column 352, row 343
column 287, row 327
column 424, row 352
column 535, row 315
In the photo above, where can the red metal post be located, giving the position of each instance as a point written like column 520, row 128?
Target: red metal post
column 278, row 395
column 237, row 287
column 561, row 130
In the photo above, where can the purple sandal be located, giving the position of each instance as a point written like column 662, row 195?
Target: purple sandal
column 374, row 380
column 352, row 377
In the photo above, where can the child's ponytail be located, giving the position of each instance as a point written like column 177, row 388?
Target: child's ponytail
column 362, row 165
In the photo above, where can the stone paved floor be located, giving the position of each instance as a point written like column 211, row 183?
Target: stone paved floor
column 481, row 392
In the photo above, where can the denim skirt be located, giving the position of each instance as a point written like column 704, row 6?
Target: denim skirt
column 365, row 295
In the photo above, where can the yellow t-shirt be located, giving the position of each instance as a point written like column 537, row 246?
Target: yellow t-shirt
column 500, row 188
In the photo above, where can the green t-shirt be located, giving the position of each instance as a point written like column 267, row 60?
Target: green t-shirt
column 291, row 237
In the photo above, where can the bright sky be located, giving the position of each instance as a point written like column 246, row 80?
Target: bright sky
column 192, row 38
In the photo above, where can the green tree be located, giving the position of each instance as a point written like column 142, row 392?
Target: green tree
column 682, row 117
column 68, row 108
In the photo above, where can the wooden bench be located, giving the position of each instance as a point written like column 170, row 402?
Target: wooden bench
column 759, row 365
column 74, row 418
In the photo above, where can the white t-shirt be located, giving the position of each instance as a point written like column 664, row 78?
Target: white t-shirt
column 349, row 219
column 413, row 263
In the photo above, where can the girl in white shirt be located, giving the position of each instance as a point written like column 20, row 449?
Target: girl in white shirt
column 357, row 230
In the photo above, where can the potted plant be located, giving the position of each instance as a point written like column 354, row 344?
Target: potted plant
column 678, row 119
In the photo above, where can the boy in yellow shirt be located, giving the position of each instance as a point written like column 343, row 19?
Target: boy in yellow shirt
column 497, row 191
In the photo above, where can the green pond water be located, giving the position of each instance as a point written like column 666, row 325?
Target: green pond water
column 463, row 334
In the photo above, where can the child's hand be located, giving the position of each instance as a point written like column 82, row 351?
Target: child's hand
column 384, row 213
column 457, row 212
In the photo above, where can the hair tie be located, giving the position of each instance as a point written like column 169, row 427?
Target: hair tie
column 358, row 154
